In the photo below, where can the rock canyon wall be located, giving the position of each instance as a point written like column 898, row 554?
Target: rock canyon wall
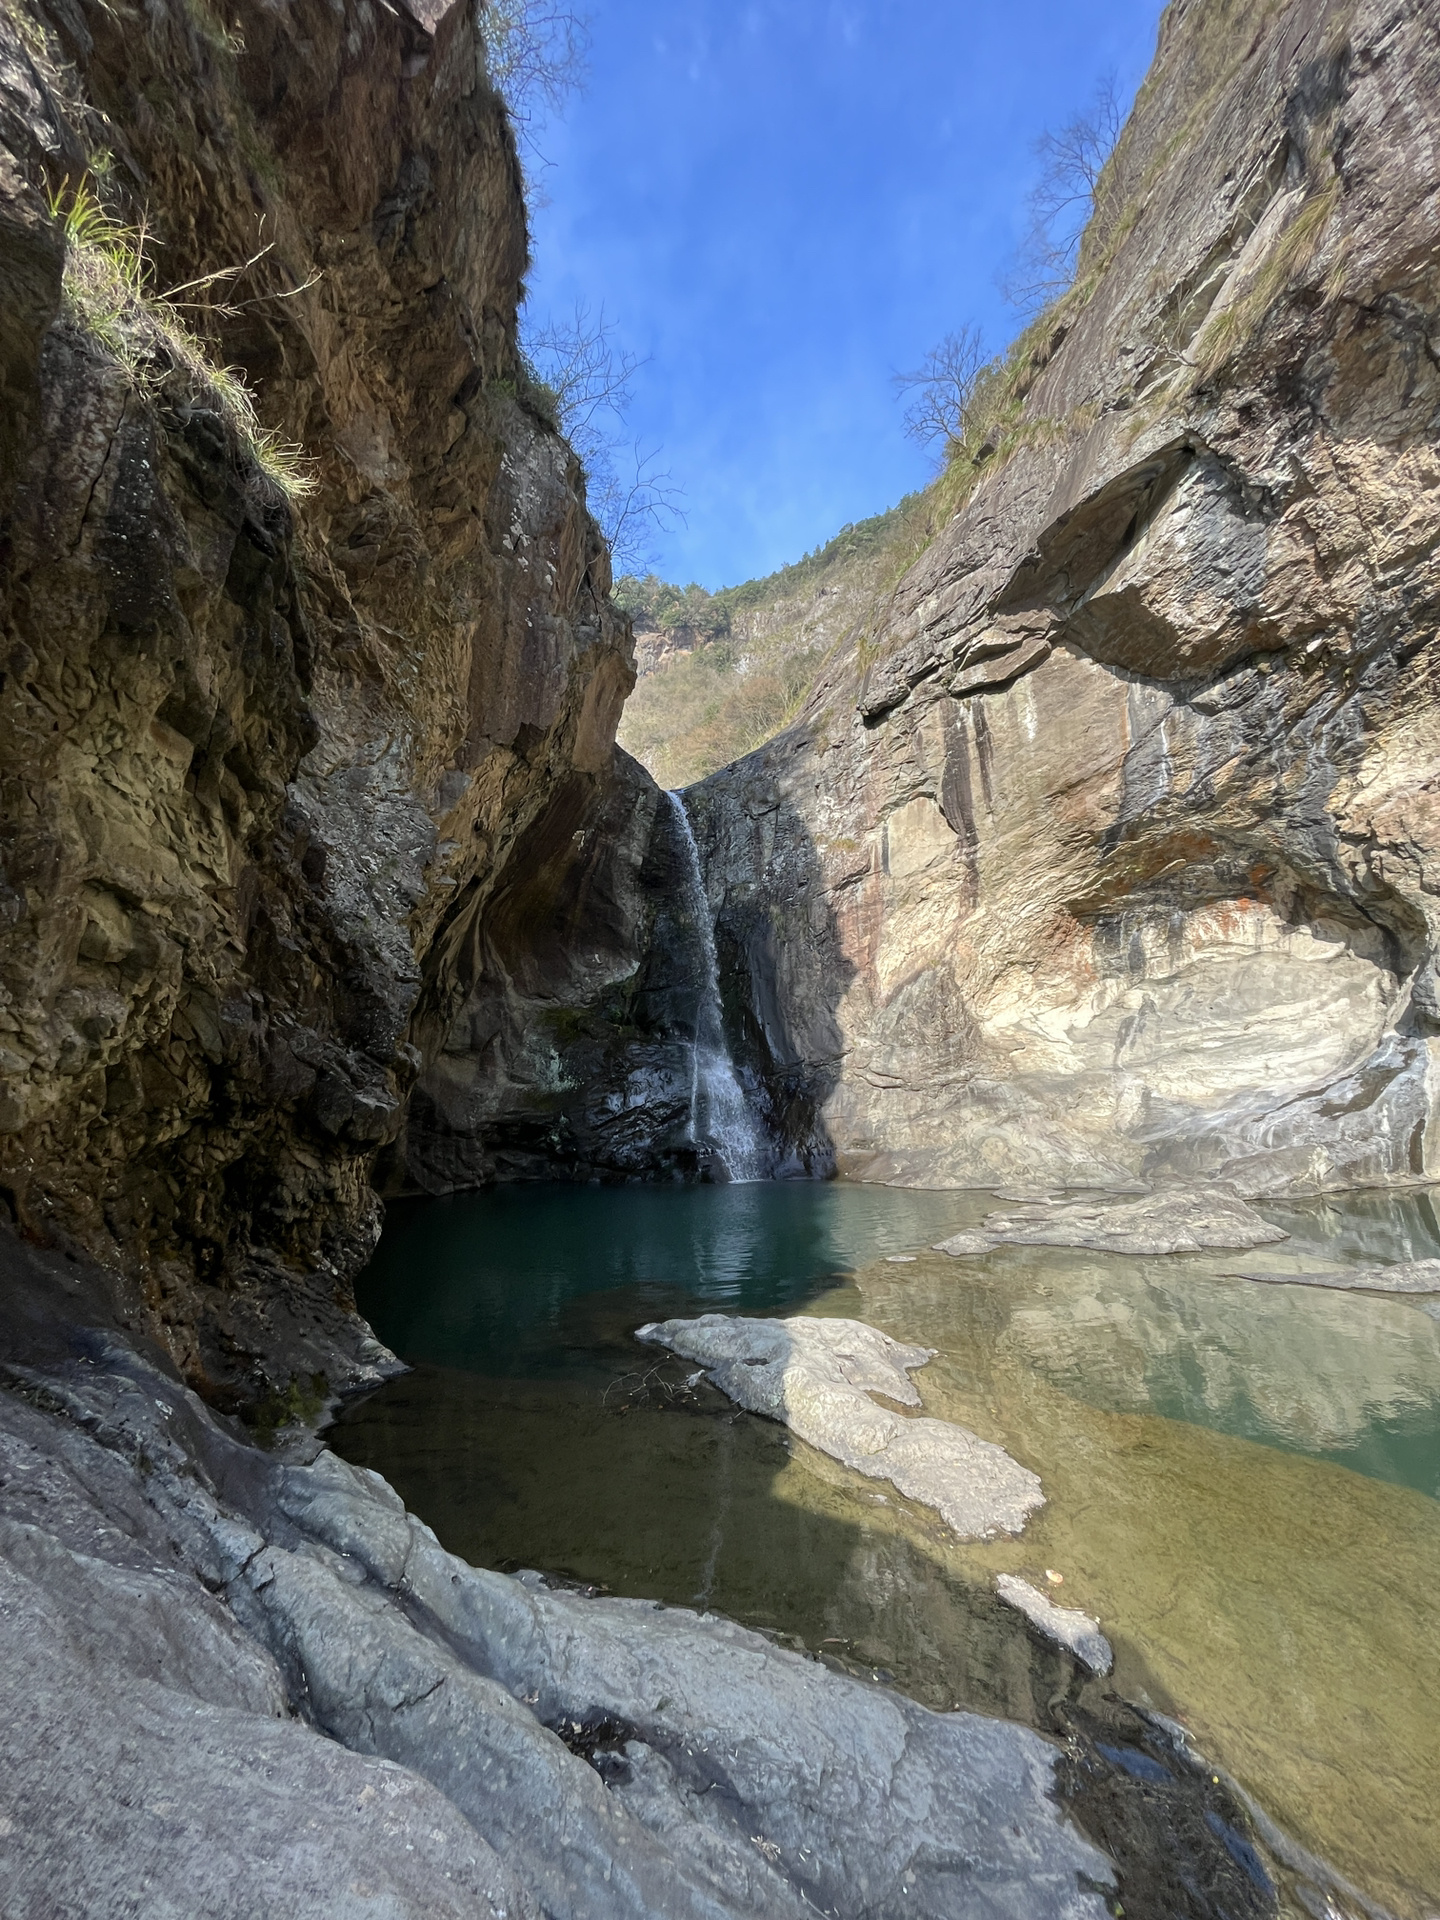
column 1106, row 849
column 1108, row 845
column 265, row 771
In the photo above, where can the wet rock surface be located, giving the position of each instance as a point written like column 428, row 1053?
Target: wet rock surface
column 284, row 1637
column 1105, row 849
column 1067, row 1626
column 816, row 1376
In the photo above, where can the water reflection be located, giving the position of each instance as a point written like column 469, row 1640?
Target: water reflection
column 1215, row 1455
column 548, row 1282
column 1347, row 1377
column 1356, row 1229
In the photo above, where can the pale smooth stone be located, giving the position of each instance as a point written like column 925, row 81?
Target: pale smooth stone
column 816, row 1377
column 1066, row 1625
column 1180, row 1220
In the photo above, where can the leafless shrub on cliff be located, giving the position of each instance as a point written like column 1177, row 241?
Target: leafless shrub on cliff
column 535, row 52
column 943, row 389
column 586, row 374
column 585, row 368
column 1071, row 190
column 634, row 499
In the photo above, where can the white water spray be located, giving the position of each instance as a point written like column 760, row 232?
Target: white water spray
column 720, row 1116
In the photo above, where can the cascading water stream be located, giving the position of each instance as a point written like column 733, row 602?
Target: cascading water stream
column 720, row 1115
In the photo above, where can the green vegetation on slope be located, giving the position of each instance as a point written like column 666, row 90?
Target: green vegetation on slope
column 721, row 673
column 109, row 293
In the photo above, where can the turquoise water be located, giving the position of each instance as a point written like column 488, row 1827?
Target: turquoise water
column 538, row 1282
column 1241, row 1478
column 549, row 1283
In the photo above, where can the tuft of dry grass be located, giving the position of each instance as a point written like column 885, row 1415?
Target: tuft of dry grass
column 1227, row 331
column 109, row 292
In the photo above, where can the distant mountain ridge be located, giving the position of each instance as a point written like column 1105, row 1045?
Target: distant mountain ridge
column 722, row 673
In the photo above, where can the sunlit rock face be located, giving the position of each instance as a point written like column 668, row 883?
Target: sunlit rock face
column 265, row 771
column 1113, row 849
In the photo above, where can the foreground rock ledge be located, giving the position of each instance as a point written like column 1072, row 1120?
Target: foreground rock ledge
column 816, row 1377
column 242, row 1684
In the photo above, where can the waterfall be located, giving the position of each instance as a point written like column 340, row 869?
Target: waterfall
column 720, row 1116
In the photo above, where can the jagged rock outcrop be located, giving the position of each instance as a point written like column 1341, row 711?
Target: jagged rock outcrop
column 1114, row 850
column 559, row 1044
column 261, row 765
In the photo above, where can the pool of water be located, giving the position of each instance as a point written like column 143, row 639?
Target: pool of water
column 537, row 1283
column 1242, row 1479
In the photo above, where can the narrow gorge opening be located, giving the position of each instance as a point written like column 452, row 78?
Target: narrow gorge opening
column 696, row 1251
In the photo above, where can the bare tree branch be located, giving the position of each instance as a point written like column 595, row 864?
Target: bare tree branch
column 536, row 52
column 633, row 502
column 589, row 376
column 588, row 373
column 1063, row 201
column 944, row 386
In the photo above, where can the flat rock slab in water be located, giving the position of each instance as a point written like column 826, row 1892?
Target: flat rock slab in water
column 816, row 1376
column 1066, row 1625
column 1402, row 1276
column 1183, row 1220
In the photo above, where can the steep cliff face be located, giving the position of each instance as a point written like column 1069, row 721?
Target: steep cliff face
column 261, row 764
column 1113, row 851
column 562, row 1004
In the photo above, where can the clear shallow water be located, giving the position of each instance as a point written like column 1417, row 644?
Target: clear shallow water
column 1241, row 1478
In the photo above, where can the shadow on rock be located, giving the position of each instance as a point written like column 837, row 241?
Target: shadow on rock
column 563, row 1010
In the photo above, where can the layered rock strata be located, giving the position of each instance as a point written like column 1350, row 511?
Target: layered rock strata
column 268, row 771
column 1111, row 848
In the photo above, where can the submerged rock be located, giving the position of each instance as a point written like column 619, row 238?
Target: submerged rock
column 816, row 1377
column 967, row 1244
column 1066, row 1625
column 1400, row 1276
column 1184, row 1220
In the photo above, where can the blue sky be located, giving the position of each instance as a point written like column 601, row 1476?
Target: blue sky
column 782, row 203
